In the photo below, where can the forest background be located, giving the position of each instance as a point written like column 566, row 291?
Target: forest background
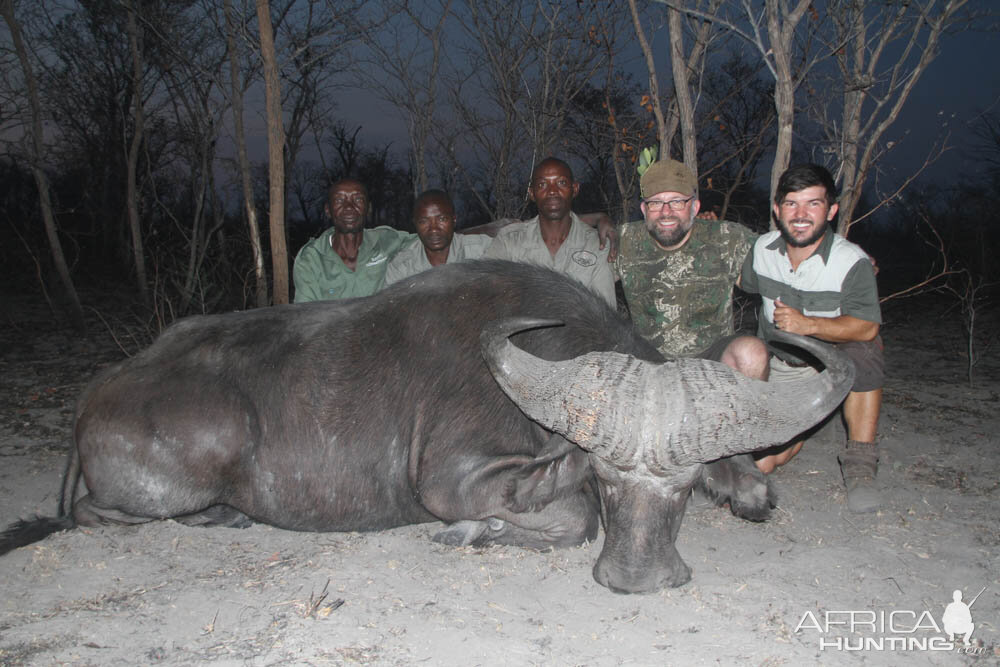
column 183, row 148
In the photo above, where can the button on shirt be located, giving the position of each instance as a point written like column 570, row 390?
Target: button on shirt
column 579, row 256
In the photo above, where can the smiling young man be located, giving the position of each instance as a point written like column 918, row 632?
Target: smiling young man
column 816, row 283
column 556, row 238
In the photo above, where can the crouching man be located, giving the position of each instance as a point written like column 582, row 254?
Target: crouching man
column 816, row 283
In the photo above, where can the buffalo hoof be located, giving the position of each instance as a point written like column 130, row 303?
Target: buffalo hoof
column 464, row 533
column 755, row 503
column 216, row 515
column 738, row 482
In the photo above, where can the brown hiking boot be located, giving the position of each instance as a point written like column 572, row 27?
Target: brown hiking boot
column 859, row 464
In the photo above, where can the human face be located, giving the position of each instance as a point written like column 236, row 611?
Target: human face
column 347, row 206
column 803, row 216
column 435, row 223
column 668, row 226
column 553, row 189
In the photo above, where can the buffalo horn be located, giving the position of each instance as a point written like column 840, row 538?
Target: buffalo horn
column 670, row 415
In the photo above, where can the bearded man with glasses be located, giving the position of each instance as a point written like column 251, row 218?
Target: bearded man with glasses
column 678, row 272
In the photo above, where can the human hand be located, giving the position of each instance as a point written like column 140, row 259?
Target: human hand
column 608, row 234
column 791, row 320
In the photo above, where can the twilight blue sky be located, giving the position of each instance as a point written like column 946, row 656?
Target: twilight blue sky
column 962, row 83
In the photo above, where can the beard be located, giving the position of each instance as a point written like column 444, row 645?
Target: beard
column 785, row 229
column 673, row 236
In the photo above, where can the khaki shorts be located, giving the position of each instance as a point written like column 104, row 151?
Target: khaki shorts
column 869, row 364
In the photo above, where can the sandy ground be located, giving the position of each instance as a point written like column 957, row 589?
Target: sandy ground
column 167, row 594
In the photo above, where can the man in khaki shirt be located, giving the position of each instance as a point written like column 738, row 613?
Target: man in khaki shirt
column 434, row 219
column 556, row 238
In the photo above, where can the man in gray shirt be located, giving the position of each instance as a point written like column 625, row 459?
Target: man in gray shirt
column 436, row 242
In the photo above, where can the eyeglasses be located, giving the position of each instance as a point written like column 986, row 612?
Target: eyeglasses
column 655, row 205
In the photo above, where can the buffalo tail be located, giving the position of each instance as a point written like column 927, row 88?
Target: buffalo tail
column 24, row 532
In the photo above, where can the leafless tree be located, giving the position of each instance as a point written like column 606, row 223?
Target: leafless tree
column 345, row 144
column 665, row 129
column 882, row 50
column 233, row 25
column 607, row 124
column 524, row 63
column 36, row 153
column 735, row 130
column 192, row 94
column 132, row 163
column 275, row 151
column 724, row 130
column 786, row 47
column 687, row 66
column 316, row 43
column 405, row 45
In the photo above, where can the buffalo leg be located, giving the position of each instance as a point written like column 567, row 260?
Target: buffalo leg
column 737, row 480
column 561, row 525
column 87, row 513
column 216, row 515
column 533, row 501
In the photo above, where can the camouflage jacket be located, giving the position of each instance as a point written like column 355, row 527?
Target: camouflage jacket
column 682, row 300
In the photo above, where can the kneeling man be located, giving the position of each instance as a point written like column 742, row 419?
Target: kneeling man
column 816, row 283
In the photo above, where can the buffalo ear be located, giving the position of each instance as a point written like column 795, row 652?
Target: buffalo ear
column 560, row 469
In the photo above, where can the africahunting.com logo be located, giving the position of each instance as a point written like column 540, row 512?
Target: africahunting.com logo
column 898, row 629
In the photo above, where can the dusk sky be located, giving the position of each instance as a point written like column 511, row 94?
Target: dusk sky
column 960, row 85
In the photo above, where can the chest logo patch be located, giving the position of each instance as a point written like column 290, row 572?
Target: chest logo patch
column 584, row 258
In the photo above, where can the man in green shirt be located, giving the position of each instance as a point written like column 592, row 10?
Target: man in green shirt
column 346, row 260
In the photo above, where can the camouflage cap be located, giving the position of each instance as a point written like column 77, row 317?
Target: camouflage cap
column 667, row 176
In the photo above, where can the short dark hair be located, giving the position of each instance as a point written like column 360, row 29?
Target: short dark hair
column 426, row 195
column 802, row 176
column 554, row 160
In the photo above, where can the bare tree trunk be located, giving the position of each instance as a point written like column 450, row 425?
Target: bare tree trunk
column 41, row 180
column 275, row 146
column 198, row 238
column 406, row 49
column 131, row 192
column 781, row 25
column 682, row 91
column 683, row 68
column 260, row 271
column 665, row 133
column 873, row 98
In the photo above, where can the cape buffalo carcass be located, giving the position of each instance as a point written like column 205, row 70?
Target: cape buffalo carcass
column 384, row 411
